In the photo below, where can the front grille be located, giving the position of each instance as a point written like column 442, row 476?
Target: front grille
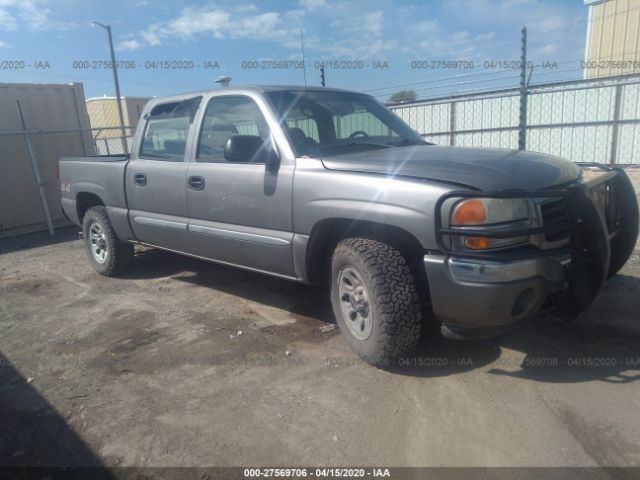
column 555, row 213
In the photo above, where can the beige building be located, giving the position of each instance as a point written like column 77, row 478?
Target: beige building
column 613, row 38
column 103, row 113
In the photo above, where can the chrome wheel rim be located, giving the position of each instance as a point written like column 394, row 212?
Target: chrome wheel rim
column 98, row 243
column 354, row 303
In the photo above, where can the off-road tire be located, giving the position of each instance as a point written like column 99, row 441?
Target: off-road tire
column 395, row 308
column 119, row 254
column 623, row 244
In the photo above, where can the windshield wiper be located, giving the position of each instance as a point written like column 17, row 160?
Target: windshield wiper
column 329, row 148
column 405, row 142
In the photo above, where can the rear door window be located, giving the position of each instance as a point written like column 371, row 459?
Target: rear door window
column 167, row 129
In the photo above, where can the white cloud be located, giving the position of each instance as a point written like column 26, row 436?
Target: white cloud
column 456, row 29
column 241, row 22
column 351, row 35
column 432, row 39
column 294, row 15
column 151, row 36
column 549, row 24
column 356, row 37
column 256, row 26
column 196, row 21
column 311, row 4
column 426, row 27
column 552, row 27
column 519, row 3
column 372, row 23
column 8, row 22
column 550, row 48
column 129, row 45
column 33, row 16
column 27, row 15
column 347, row 33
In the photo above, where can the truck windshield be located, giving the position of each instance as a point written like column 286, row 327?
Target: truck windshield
column 335, row 123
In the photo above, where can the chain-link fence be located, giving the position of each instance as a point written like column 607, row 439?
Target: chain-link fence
column 583, row 121
column 22, row 153
column 586, row 120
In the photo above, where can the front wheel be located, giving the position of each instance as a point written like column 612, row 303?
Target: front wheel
column 374, row 299
column 107, row 254
column 623, row 244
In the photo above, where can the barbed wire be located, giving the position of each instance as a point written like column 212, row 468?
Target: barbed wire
column 477, row 74
column 380, row 92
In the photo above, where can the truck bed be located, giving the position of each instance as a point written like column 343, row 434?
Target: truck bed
column 103, row 176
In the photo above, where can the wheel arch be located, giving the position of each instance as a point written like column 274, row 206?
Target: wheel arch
column 84, row 201
column 326, row 234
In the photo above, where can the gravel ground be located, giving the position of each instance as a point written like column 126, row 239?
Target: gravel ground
column 188, row 363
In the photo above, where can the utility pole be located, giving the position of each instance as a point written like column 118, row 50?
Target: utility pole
column 522, row 124
column 304, row 66
column 125, row 149
column 322, row 75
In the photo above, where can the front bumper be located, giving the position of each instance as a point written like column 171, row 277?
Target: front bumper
column 488, row 291
column 481, row 294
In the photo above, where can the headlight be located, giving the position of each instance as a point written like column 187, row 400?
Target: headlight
column 488, row 213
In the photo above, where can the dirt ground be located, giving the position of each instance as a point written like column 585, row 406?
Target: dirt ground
column 188, row 363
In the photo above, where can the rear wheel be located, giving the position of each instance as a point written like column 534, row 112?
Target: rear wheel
column 374, row 299
column 107, row 254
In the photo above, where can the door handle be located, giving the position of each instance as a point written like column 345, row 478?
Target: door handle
column 196, row 183
column 140, row 179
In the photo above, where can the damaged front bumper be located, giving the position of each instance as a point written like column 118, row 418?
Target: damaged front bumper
column 479, row 294
column 483, row 295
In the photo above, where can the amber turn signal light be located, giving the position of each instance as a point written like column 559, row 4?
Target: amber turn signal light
column 470, row 212
column 477, row 243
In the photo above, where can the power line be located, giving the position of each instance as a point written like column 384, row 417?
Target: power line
column 462, row 75
column 450, row 86
column 440, row 79
column 564, row 62
column 484, row 89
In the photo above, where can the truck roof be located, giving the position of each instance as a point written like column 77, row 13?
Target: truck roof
column 272, row 88
column 231, row 90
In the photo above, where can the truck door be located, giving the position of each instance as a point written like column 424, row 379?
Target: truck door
column 239, row 209
column 156, row 176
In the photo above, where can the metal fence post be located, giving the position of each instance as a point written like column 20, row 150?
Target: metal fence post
column 452, row 124
column 36, row 173
column 522, row 124
column 75, row 104
column 614, row 126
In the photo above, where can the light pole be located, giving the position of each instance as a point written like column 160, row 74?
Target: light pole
column 115, row 80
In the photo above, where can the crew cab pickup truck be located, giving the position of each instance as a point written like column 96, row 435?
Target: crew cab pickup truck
column 327, row 186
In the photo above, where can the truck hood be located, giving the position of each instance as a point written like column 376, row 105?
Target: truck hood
column 488, row 169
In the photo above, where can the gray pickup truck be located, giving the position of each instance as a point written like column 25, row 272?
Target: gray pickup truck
column 327, row 186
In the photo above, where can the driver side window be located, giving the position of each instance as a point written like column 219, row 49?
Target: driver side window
column 224, row 118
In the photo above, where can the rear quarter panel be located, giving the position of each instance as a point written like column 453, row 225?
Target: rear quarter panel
column 100, row 176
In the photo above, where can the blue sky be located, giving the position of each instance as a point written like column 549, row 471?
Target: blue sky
column 225, row 34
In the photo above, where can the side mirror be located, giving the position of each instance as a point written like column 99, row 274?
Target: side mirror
column 251, row 149
column 242, row 148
